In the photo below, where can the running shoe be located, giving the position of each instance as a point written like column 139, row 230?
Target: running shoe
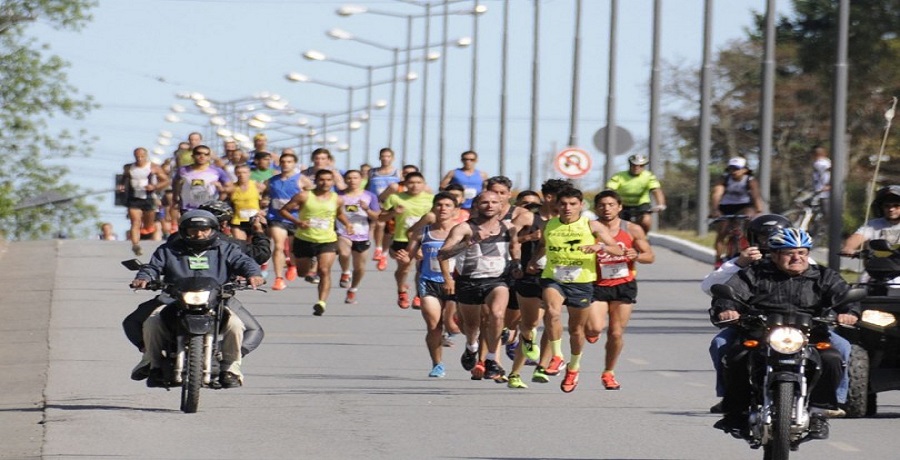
column 319, row 308
column 511, row 349
column 515, row 381
column 446, row 340
column 539, row 375
column 609, row 381
column 312, row 278
column 504, row 336
column 592, row 338
column 351, row 297
column 468, row 359
column 382, row 264
column 403, row 299
column 569, row 382
column 532, row 350
column 478, row 371
column 493, row 370
column 378, row 255
column 437, row 371
column 136, row 249
column 555, row 366
column 345, row 280
column 291, row 273
column 279, row 284
column 417, row 303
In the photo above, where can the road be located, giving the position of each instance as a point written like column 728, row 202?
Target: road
column 353, row 383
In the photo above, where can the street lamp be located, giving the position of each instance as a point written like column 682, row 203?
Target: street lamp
column 340, row 34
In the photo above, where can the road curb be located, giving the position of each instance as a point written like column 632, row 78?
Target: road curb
column 683, row 247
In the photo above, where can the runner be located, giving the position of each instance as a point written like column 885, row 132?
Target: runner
column 279, row 191
column 360, row 206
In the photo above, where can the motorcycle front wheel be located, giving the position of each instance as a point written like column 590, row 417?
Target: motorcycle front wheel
column 190, row 386
column 779, row 447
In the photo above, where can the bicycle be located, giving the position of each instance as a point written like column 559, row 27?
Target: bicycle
column 735, row 235
column 809, row 214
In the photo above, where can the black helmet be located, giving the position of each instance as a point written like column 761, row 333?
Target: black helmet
column 638, row 159
column 220, row 209
column 763, row 226
column 886, row 194
column 198, row 219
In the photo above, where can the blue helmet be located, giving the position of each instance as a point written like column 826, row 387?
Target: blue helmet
column 790, row 238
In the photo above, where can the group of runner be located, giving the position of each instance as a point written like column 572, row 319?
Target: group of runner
column 481, row 265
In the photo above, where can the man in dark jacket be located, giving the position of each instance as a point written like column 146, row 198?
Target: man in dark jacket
column 786, row 283
column 199, row 252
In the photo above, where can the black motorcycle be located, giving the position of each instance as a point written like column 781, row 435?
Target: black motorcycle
column 195, row 316
column 875, row 355
column 783, row 366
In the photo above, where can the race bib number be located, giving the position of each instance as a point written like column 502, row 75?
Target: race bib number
column 470, row 193
column 410, row 221
column 246, row 214
column 359, row 229
column 542, row 262
column 566, row 273
column 614, row 271
column 435, row 265
column 198, row 262
column 319, row 223
column 492, row 264
column 278, row 203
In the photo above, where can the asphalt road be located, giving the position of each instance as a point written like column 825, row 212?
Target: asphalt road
column 353, row 383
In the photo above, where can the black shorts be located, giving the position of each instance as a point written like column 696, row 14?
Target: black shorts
column 731, row 209
column 513, row 303
column 360, row 246
column 576, row 295
column 626, row 292
column 529, row 287
column 308, row 249
column 629, row 212
column 474, row 291
column 289, row 227
column 428, row 288
column 399, row 245
column 144, row 204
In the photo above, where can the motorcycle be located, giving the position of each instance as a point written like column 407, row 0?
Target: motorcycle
column 783, row 367
column 192, row 358
column 875, row 342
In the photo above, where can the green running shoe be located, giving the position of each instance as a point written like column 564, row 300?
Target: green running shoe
column 539, row 375
column 515, row 381
column 532, row 350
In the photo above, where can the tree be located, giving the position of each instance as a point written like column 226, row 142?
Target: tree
column 35, row 90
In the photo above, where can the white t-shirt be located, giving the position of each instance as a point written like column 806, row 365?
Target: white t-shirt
column 880, row 229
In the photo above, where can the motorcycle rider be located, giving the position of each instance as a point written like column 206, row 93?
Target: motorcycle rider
column 199, row 252
column 886, row 224
column 785, row 276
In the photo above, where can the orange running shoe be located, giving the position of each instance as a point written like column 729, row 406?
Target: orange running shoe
column 279, row 284
column 351, row 297
column 345, row 280
column 555, row 366
column 417, row 303
column 382, row 264
column 609, row 381
column 478, row 371
column 291, row 273
column 592, row 338
column 378, row 255
column 403, row 299
column 569, row 382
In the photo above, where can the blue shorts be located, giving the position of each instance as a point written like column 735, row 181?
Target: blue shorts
column 576, row 295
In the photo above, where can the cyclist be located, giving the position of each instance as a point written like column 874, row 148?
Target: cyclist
column 635, row 187
column 886, row 224
column 737, row 192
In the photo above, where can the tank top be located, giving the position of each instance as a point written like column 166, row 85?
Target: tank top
column 615, row 270
column 281, row 191
column 472, row 185
column 487, row 258
column 379, row 182
column 565, row 262
column 140, row 178
column 529, row 247
column 199, row 185
column 359, row 218
column 320, row 214
column 736, row 192
column 431, row 267
column 246, row 203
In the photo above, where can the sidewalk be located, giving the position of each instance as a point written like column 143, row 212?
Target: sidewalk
column 29, row 270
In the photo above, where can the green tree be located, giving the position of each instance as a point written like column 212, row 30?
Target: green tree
column 34, row 91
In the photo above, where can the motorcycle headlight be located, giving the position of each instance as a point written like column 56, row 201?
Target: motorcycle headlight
column 878, row 318
column 786, row 340
column 195, row 297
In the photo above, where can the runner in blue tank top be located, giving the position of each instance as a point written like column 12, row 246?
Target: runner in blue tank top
column 470, row 178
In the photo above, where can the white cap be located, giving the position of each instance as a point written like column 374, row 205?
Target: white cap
column 738, row 162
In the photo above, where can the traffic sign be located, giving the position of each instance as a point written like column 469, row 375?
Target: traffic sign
column 624, row 141
column 573, row 163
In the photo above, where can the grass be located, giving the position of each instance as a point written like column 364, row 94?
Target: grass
column 691, row 235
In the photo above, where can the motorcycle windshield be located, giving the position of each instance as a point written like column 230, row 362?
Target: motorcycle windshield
column 196, row 283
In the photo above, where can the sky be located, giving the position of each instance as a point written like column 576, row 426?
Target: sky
column 136, row 56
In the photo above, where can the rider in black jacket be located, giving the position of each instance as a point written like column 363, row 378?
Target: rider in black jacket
column 784, row 283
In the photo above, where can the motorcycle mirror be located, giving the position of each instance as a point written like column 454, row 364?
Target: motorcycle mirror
column 852, row 295
column 723, row 291
column 133, row 264
column 879, row 245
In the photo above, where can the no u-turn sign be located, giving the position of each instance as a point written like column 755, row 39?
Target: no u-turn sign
column 573, row 163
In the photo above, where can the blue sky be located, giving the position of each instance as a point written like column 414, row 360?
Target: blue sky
column 136, row 55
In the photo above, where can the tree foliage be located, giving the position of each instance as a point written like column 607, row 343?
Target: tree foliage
column 35, row 90
column 804, row 62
